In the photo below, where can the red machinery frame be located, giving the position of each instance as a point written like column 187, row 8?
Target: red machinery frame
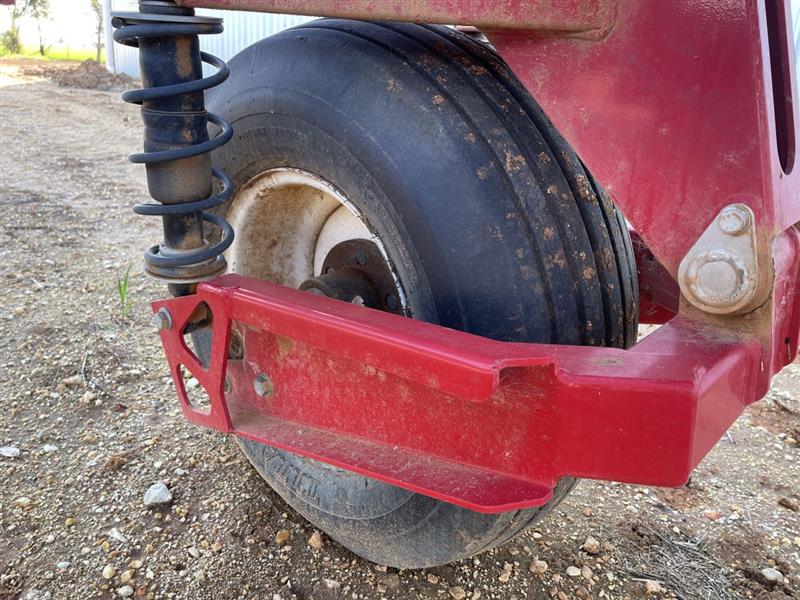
column 679, row 108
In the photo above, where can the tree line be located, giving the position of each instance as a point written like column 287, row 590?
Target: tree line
column 39, row 10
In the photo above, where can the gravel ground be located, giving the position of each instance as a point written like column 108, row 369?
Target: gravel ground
column 85, row 398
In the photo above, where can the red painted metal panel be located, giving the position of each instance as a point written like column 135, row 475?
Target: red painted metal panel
column 484, row 424
column 672, row 111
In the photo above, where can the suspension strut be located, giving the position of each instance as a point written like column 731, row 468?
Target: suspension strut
column 177, row 144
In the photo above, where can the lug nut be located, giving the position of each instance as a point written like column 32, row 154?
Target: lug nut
column 162, row 319
column 263, row 386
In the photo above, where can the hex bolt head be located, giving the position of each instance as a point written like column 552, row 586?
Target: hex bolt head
column 263, row 386
column 162, row 319
column 734, row 219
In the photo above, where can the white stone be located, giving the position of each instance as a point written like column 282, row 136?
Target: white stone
column 156, row 494
column 9, row 451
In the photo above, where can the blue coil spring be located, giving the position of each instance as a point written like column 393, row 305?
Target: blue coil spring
column 130, row 28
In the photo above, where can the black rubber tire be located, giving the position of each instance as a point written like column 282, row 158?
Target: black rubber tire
column 488, row 216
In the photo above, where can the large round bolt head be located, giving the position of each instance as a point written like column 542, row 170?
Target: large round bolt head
column 718, row 279
column 162, row 319
column 734, row 219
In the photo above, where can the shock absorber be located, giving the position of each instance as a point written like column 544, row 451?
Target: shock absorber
column 177, row 144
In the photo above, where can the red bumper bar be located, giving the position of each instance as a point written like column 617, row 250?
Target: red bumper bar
column 487, row 425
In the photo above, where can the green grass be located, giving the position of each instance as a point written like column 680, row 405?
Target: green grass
column 123, row 287
column 55, row 53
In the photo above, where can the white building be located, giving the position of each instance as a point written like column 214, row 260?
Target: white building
column 241, row 30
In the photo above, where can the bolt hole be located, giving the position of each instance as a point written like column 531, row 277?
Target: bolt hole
column 263, row 386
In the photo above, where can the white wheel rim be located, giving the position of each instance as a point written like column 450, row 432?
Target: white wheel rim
column 286, row 222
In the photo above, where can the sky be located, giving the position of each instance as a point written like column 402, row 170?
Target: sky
column 72, row 23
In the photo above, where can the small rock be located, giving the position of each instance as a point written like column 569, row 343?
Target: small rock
column 127, row 576
column 200, row 576
column 157, row 494
column 70, row 521
column 789, row 503
column 591, row 546
column 332, row 584
column 652, row 587
column 9, row 451
column 109, row 571
column 282, row 537
column 505, row 575
column 433, row 579
column 770, row 577
column 73, row 380
column 50, row 539
column 316, row 541
column 713, row 515
column 23, row 502
column 538, row 566
column 457, row 593
column 49, row 448
column 586, row 572
column 64, row 564
column 391, row 581
column 116, row 535
column 573, row 571
column 194, row 552
column 125, row 591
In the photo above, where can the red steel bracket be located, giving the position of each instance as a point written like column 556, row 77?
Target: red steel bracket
column 487, row 425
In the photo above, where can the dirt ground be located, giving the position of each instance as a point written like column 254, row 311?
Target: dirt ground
column 85, row 398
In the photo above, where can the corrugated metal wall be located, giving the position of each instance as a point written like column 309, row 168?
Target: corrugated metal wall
column 241, row 30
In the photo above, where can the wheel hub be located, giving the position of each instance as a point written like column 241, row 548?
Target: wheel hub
column 355, row 271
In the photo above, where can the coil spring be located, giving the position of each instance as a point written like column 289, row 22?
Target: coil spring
column 130, row 28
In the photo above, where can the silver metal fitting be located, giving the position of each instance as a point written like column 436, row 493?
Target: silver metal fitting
column 720, row 273
column 718, row 278
column 162, row 319
column 735, row 219
column 263, row 386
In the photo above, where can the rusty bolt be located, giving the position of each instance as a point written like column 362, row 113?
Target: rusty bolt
column 263, row 386
column 162, row 319
column 734, row 219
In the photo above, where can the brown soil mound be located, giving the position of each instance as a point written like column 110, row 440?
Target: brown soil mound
column 89, row 74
